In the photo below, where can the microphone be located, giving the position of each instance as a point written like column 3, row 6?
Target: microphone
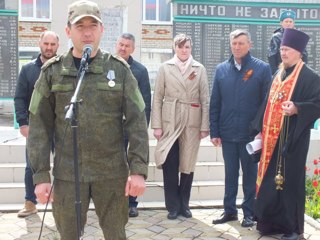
column 87, row 50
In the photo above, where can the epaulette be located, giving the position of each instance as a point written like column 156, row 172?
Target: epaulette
column 51, row 61
column 120, row 59
column 104, row 51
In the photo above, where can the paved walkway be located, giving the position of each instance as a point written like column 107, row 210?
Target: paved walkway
column 150, row 224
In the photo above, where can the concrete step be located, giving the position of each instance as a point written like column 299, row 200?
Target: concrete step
column 14, row 207
column 13, row 152
column 12, row 148
column 208, row 185
column 207, row 152
column 205, row 171
column 12, row 172
column 201, row 191
column 208, row 177
column 13, row 193
column 208, row 182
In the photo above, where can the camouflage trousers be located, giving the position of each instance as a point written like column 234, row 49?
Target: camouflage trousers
column 110, row 203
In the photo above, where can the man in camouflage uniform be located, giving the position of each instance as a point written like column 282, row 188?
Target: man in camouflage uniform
column 108, row 92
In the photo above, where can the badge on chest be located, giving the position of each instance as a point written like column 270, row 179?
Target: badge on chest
column 111, row 77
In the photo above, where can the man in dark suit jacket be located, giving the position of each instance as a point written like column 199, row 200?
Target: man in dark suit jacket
column 124, row 48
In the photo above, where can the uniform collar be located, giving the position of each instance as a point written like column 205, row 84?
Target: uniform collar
column 69, row 67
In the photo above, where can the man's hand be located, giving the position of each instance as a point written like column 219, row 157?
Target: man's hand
column 24, row 130
column 135, row 185
column 216, row 142
column 289, row 108
column 204, row 134
column 42, row 192
column 157, row 133
column 258, row 136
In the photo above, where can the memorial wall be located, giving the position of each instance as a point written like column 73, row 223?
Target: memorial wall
column 9, row 65
column 209, row 25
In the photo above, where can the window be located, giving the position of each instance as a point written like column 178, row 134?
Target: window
column 157, row 11
column 28, row 53
column 35, row 10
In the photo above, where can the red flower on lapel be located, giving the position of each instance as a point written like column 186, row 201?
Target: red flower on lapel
column 192, row 75
column 248, row 74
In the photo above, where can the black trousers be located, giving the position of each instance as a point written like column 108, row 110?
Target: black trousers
column 176, row 191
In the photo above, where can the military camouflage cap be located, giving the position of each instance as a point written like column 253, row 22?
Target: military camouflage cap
column 81, row 9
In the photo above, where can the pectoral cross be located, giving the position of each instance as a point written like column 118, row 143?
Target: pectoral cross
column 274, row 128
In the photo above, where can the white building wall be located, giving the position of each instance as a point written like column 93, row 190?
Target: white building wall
column 121, row 15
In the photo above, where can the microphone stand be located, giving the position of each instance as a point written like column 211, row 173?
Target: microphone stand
column 71, row 115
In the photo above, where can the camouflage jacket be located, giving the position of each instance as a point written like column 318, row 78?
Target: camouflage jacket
column 100, row 121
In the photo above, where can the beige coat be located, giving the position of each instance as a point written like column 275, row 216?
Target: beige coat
column 181, row 109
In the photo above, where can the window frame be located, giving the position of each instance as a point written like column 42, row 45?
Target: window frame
column 157, row 21
column 34, row 18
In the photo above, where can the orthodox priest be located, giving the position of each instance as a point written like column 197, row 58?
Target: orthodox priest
column 284, row 124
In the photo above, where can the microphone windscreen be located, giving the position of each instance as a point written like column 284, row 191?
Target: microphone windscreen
column 87, row 49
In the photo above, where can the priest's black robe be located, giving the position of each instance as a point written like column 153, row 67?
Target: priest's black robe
column 282, row 211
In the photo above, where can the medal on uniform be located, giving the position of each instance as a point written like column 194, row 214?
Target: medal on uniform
column 111, row 83
column 111, row 77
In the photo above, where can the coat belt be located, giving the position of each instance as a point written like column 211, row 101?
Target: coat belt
column 173, row 110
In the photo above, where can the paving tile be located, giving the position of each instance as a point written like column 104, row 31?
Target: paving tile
column 5, row 226
column 93, row 238
column 193, row 232
column 161, row 237
column 6, row 236
column 156, row 229
column 314, row 237
column 211, row 235
column 269, row 237
column 210, row 238
column 151, row 224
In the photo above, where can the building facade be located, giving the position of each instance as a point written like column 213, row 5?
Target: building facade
column 151, row 21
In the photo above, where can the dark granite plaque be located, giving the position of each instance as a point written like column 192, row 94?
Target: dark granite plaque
column 209, row 25
column 9, row 64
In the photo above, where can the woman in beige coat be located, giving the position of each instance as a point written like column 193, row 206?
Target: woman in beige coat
column 180, row 120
